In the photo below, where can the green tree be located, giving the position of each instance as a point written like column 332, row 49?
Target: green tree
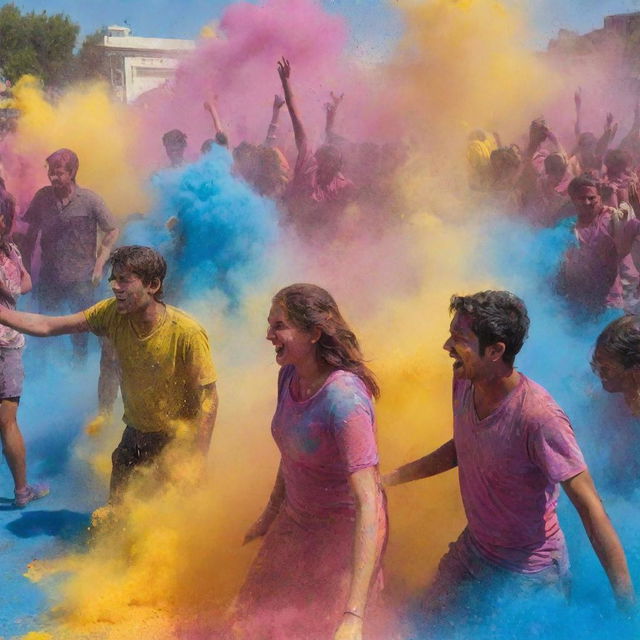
column 36, row 43
column 90, row 60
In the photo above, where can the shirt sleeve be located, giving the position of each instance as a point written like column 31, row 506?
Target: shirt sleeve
column 198, row 360
column 104, row 217
column 100, row 317
column 554, row 449
column 353, row 427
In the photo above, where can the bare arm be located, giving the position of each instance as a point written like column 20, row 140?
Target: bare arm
column 270, row 140
column 609, row 133
column 331, row 109
column 221, row 137
column 262, row 524
column 104, row 251
column 634, row 132
column 284, row 71
column 438, row 461
column 41, row 326
column 602, row 535
column 29, row 244
column 577, row 98
column 207, row 417
column 366, row 550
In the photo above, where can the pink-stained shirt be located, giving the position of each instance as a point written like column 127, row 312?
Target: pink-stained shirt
column 323, row 440
column 309, row 202
column 510, row 464
column 11, row 279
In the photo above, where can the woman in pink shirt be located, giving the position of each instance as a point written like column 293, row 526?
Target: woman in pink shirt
column 325, row 525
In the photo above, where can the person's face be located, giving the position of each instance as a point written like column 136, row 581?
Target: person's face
column 175, row 152
column 131, row 294
column 60, row 178
column 292, row 345
column 614, row 377
column 464, row 347
column 587, row 202
column 328, row 165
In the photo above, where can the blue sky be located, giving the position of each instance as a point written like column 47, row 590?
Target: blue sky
column 369, row 19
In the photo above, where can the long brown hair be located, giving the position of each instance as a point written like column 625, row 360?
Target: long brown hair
column 308, row 307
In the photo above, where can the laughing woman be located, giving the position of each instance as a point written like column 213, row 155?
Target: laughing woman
column 325, row 525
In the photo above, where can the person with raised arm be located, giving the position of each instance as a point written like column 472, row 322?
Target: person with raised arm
column 602, row 239
column 168, row 378
column 325, row 523
column 221, row 137
column 512, row 445
column 318, row 192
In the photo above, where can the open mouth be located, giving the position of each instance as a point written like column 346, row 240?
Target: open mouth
column 457, row 363
column 279, row 350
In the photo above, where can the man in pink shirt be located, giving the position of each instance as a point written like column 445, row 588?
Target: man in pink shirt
column 512, row 445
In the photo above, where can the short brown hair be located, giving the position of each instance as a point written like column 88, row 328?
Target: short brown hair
column 144, row 262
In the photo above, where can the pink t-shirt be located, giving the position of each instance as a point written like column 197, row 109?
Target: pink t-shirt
column 510, row 464
column 322, row 441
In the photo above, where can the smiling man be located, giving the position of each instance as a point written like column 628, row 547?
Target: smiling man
column 512, row 445
column 168, row 376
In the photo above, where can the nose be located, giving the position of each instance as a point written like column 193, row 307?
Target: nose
column 270, row 333
column 447, row 345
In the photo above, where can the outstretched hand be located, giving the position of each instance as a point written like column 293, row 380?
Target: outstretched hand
column 610, row 126
column 332, row 106
column 278, row 101
column 284, row 69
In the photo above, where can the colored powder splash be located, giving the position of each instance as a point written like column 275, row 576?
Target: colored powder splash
column 177, row 563
column 86, row 120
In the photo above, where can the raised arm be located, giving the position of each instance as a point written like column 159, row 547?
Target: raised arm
column 278, row 102
column 331, row 109
column 284, row 71
column 438, row 461
column 577, row 98
column 221, row 136
column 366, row 551
column 41, row 326
column 262, row 524
column 605, row 542
column 609, row 133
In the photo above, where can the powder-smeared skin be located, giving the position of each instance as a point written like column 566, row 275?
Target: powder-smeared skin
column 178, row 562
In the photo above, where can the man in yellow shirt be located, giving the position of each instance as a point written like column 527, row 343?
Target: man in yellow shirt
column 168, row 377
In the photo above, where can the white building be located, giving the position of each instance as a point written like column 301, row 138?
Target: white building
column 136, row 64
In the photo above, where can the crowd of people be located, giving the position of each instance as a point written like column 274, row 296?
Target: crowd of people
column 319, row 571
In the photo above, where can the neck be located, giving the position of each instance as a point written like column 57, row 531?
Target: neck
column 588, row 218
column 65, row 192
column 145, row 320
column 495, row 387
column 632, row 398
column 311, row 370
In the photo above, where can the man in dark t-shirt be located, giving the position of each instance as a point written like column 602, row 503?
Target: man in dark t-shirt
column 67, row 218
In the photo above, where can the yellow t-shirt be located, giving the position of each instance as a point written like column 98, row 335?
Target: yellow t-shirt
column 162, row 373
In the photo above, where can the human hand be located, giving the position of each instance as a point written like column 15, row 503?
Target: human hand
column 332, row 106
column 577, row 98
column 609, row 126
column 278, row 101
column 350, row 628
column 208, row 107
column 284, row 69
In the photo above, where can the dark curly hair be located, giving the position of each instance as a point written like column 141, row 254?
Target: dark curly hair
column 620, row 339
column 308, row 307
column 496, row 316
